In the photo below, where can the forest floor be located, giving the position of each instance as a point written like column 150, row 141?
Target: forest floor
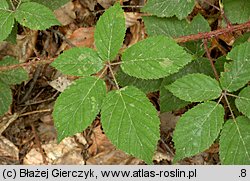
column 27, row 131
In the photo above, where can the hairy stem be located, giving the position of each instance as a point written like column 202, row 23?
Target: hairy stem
column 182, row 39
column 26, row 64
column 211, row 34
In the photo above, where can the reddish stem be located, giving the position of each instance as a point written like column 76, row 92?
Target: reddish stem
column 211, row 34
column 210, row 60
column 15, row 66
column 182, row 39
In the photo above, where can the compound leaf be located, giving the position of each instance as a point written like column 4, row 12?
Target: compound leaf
column 35, row 16
column 14, row 76
column 78, row 106
column 232, row 8
column 6, row 20
column 195, row 88
column 78, row 62
column 168, row 8
column 197, row 129
column 154, row 58
column 235, row 142
column 110, row 32
column 5, row 98
column 243, row 101
column 131, row 123
column 237, row 72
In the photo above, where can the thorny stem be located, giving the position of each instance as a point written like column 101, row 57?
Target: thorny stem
column 182, row 39
column 211, row 34
column 10, row 67
column 210, row 60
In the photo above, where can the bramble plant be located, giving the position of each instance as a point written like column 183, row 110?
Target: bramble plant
column 170, row 61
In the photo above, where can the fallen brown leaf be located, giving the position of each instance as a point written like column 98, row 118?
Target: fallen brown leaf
column 83, row 37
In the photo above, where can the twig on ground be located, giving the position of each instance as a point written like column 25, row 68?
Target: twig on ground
column 37, row 142
column 35, row 77
column 35, row 112
column 30, row 63
column 64, row 38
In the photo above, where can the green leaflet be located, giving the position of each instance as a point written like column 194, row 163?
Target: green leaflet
column 5, row 98
column 35, row 16
column 195, row 88
column 6, row 20
column 168, row 8
column 237, row 74
column 14, row 76
column 130, row 121
column 4, row 5
column 173, row 27
column 154, row 58
column 197, row 129
column 168, row 101
column 110, row 32
column 78, row 62
column 235, row 142
column 53, row 5
column 144, row 85
column 232, row 8
column 78, row 106
column 243, row 101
